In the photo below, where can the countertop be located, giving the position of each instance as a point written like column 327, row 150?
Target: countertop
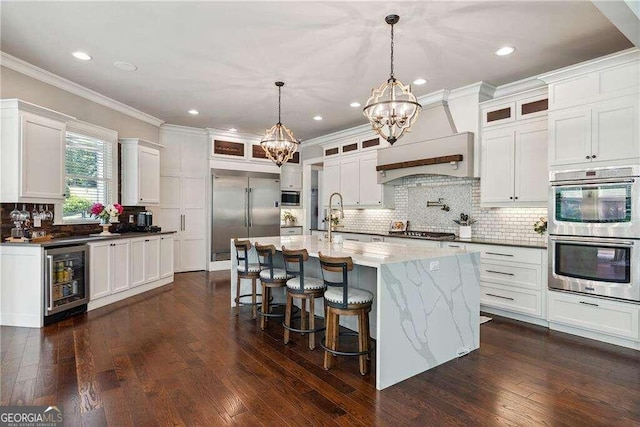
column 79, row 240
column 372, row 254
column 290, row 226
column 498, row 242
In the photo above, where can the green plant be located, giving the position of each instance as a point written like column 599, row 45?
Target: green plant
column 540, row 226
column 288, row 216
column 464, row 220
column 76, row 204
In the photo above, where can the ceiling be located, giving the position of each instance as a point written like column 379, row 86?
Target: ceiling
column 222, row 58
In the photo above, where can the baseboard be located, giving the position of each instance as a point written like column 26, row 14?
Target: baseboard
column 515, row 316
column 110, row 299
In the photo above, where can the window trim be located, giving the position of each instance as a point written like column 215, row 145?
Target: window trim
column 107, row 135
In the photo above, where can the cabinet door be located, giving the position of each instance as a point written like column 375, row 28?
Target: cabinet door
column 194, row 155
column 152, row 259
column 171, row 207
column 569, row 137
column 330, row 179
column 497, row 166
column 614, row 129
column 350, row 181
column 100, row 271
column 193, row 191
column 120, row 255
column 290, row 177
column 166, row 256
column 42, row 157
column 137, row 262
column 148, row 175
column 192, row 254
column 531, row 170
column 370, row 190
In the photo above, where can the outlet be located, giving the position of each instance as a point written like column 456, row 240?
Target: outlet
column 130, row 219
column 434, row 266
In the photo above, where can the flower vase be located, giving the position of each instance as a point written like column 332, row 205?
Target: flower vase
column 105, row 228
column 465, row 232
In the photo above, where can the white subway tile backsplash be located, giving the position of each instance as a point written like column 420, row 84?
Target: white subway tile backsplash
column 461, row 195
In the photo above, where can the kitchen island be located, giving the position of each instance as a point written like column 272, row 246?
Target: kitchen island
column 426, row 304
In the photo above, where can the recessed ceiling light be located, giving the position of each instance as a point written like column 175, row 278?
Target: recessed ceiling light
column 125, row 66
column 233, row 130
column 354, row 104
column 317, row 117
column 505, row 50
column 81, row 55
column 194, row 112
column 419, row 81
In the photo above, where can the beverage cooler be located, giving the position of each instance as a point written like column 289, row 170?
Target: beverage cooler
column 66, row 282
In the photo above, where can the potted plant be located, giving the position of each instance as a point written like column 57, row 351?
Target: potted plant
column 465, row 226
column 540, row 226
column 289, row 218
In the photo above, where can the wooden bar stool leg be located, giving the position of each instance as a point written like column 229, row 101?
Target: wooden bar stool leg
column 303, row 313
column 238, row 297
column 254, row 306
column 287, row 317
column 362, row 340
column 368, row 333
column 265, row 306
column 328, row 338
column 336, row 332
column 312, row 323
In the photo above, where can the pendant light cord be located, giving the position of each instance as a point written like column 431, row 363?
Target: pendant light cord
column 279, row 103
column 392, row 77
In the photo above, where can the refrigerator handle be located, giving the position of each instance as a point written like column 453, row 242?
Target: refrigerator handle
column 50, row 280
column 249, row 205
column 246, row 206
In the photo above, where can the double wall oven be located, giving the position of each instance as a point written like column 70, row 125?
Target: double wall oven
column 594, row 232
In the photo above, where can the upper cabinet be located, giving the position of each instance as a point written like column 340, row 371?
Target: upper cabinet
column 32, row 153
column 514, row 151
column 291, row 177
column 140, row 172
column 594, row 112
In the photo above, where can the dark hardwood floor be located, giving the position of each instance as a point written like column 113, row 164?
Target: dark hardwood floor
column 178, row 356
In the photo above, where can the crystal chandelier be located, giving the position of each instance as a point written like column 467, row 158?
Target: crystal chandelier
column 278, row 142
column 392, row 109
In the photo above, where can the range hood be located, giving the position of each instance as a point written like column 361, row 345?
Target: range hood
column 433, row 147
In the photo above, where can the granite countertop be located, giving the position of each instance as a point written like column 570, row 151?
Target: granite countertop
column 79, row 240
column 498, row 242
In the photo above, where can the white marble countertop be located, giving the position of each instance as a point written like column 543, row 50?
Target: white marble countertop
column 372, row 254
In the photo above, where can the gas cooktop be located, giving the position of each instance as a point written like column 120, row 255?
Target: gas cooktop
column 432, row 235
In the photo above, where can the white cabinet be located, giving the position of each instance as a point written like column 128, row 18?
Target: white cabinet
column 145, row 260
column 166, row 256
column 354, row 177
column 32, row 153
column 595, row 134
column 291, row 177
column 109, row 267
column 183, row 195
column 514, row 151
column 140, row 172
column 290, row 231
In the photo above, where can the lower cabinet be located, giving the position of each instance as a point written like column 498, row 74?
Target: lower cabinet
column 109, row 267
column 121, row 265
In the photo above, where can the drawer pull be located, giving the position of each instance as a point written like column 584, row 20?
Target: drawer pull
column 500, row 272
column 589, row 303
column 352, row 240
column 496, row 253
column 498, row 296
column 454, row 246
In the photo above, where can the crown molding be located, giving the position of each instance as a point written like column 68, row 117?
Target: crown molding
column 182, row 129
column 30, row 70
column 19, row 104
column 518, row 86
column 617, row 58
column 89, row 129
column 233, row 136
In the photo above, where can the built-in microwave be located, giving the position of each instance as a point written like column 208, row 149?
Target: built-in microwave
column 601, row 202
column 290, row 198
column 595, row 266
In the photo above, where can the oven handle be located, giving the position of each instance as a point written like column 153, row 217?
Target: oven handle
column 590, row 241
column 592, row 183
column 50, row 280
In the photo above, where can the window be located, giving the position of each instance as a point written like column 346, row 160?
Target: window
column 90, row 171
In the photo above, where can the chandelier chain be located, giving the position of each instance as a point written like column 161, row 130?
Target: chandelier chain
column 392, row 51
column 279, row 103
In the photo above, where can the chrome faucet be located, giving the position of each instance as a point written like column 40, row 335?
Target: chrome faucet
column 331, row 213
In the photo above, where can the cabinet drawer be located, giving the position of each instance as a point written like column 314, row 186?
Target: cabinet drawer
column 520, row 276
column 504, row 253
column 593, row 314
column 291, row 231
column 516, row 300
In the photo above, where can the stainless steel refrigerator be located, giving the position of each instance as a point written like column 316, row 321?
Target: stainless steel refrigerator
column 245, row 205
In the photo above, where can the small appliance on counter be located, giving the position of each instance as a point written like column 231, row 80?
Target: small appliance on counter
column 145, row 222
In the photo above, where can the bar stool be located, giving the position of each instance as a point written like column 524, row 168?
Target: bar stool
column 246, row 270
column 302, row 288
column 340, row 299
column 269, row 278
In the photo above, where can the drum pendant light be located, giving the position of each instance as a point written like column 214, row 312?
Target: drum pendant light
column 278, row 143
column 392, row 109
